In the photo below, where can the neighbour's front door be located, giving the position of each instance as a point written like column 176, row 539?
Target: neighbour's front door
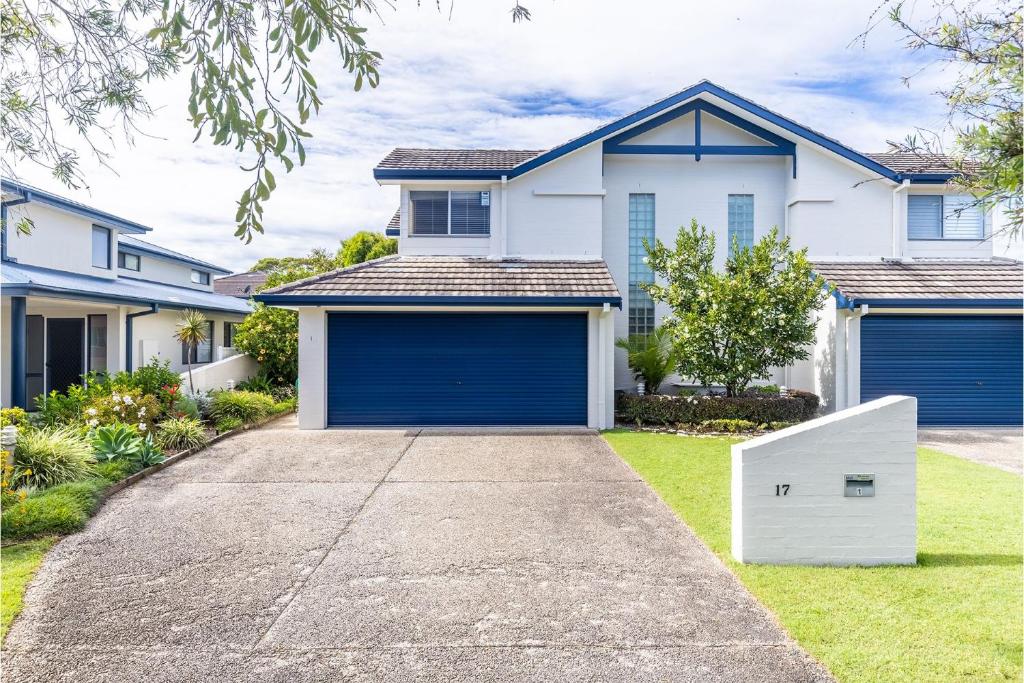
column 65, row 344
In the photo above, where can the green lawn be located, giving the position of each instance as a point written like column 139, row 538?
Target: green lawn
column 955, row 615
column 18, row 564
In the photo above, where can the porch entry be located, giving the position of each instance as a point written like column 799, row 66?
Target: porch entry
column 65, row 352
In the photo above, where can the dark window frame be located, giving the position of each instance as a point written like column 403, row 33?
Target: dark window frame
column 122, row 261
column 88, row 342
column 200, row 277
column 187, row 351
column 460, row 205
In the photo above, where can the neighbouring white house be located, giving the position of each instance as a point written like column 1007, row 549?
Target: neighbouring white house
column 84, row 293
column 517, row 269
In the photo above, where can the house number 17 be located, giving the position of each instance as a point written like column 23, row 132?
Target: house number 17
column 782, row 489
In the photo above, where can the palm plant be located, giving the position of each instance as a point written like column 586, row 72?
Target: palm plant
column 651, row 357
column 191, row 332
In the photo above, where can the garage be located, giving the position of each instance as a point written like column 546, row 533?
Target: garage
column 456, row 369
column 965, row 370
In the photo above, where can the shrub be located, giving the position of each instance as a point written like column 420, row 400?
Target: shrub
column 61, row 409
column 227, row 424
column 247, row 406
column 62, row 509
column 764, row 390
column 284, row 392
column 156, row 378
column 13, row 417
column 181, row 433
column 116, row 470
column 51, row 455
column 149, row 454
column 811, row 402
column 285, row 406
column 671, row 411
column 271, row 336
column 116, row 442
column 728, row 426
column 650, row 357
column 123, row 406
column 259, row 383
column 203, row 402
column 185, row 406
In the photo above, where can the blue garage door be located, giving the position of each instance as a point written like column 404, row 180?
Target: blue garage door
column 964, row 370
column 456, row 369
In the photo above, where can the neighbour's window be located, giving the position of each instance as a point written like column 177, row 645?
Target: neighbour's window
column 641, row 227
column 97, row 343
column 128, row 261
column 200, row 277
column 202, row 353
column 944, row 217
column 741, row 221
column 100, row 247
column 229, row 333
column 450, row 213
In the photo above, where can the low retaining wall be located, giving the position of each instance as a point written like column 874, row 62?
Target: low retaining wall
column 838, row 490
column 221, row 374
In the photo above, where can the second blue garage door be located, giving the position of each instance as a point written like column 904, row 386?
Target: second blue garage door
column 964, row 370
column 454, row 369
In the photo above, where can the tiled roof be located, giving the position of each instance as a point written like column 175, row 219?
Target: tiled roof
column 34, row 281
column 483, row 159
column 396, row 220
column 938, row 279
column 912, row 162
column 149, row 247
column 456, row 276
column 242, row 285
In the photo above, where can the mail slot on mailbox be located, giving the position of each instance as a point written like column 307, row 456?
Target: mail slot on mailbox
column 860, row 485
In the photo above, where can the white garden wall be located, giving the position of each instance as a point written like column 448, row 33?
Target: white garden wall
column 221, row 374
column 788, row 489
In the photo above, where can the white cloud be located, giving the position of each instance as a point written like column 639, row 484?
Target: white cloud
column 477, row 80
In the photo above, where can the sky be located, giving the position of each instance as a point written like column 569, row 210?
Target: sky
column 472, row 78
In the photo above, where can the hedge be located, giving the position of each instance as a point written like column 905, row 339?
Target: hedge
column 694, row 410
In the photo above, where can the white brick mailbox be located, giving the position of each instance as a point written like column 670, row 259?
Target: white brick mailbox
column 838, row 490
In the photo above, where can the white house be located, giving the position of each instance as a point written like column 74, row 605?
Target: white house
column 517, row 269
column 82, row 292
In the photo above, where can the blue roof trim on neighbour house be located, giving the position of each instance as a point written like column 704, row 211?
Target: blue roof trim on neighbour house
column 392, row 232
column 704, row 87
column 101, row 217
column 422, row 300
column 132, row 244
column 844, row 302
column 22, row 280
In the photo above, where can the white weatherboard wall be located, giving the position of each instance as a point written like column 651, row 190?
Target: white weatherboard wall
column 813, row 522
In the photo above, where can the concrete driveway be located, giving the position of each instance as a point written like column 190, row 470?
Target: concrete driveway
column 1001, row 447
column 281, row 555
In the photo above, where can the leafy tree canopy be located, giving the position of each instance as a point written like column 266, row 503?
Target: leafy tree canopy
column 366, row 246
column 74, row 74
column 733, row 326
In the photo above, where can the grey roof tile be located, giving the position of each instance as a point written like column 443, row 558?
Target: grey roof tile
column 242, row 285
column 481, row 159
column 912, row 162
column 931, row 279
column 459, row 276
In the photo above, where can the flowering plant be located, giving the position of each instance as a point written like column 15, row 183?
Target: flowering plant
column 130, row 407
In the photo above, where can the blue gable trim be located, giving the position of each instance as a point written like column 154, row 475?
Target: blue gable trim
column 943, row 303
column 412, row 300
column 704, row 87
column 101, row 217
column 392, row 232
column 928, row 178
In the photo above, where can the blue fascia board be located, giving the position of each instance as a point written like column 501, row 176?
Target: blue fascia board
column 704, row 87
column 928, row 178
column 697, row 150
column 31, row 289
column 357, row 300
column 101, row 217
column 392, row 232
column 942, row 303
column 438, row 173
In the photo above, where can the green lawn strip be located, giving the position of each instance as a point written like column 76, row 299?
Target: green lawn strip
column 18, row 564
column 955, row 615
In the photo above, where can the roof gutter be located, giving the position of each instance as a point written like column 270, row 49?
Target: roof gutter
column 414, row 300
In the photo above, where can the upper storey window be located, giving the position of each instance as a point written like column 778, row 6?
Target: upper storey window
column 200, row 277
column 100, row 247
column 944, row 217
column 450, row 213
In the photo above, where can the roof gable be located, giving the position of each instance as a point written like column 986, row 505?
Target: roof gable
column 493, row 164
column 27, row 193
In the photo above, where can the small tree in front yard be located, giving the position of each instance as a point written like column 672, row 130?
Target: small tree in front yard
column 191, row 332
column 651, row 357
column 731, row 327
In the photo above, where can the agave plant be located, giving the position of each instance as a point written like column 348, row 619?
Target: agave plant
column 116, row 442
column 651, row 357
column 149, row 453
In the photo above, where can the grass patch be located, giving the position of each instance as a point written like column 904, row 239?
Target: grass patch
column 955, row 615
column 62, row 509
column 18, row 564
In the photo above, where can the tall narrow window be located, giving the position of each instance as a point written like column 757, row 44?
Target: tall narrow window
column 101, row 247
column 641, row 227
column 229, row 333
column 202, row 353
column 741, row 221
column 97, row 343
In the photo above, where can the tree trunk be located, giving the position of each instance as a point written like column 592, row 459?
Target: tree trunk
column 191, row 384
